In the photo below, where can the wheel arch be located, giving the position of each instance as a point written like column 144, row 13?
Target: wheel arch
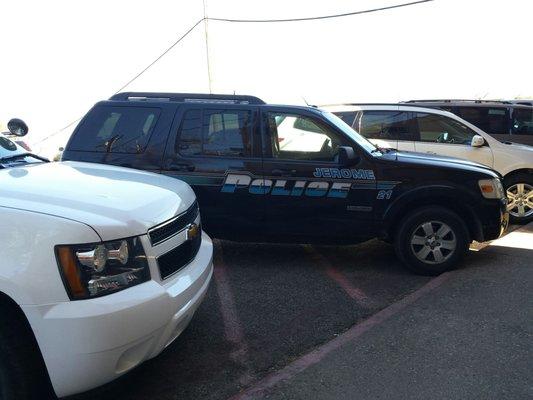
column 519, row 171
column 442, row 198
column 11, row 312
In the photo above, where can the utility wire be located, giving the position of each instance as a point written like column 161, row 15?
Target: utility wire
column 206, row 18
column 347, row 14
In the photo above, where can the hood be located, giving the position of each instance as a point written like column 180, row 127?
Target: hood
column 444, row 162
column 518, row 147
column 116, row 202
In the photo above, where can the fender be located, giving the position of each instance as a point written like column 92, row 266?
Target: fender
column 448, row 195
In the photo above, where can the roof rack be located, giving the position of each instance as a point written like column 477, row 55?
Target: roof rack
column 456, row 100
column 187, row 97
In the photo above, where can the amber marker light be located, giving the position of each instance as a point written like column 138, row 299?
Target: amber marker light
column 67, row 262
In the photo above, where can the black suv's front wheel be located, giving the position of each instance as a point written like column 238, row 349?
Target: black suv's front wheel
column 431, row 240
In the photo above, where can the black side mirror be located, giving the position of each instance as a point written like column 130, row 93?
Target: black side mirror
column 17, row 127
column 347, row 156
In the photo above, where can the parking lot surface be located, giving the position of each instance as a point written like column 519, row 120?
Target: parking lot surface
column 269, row 305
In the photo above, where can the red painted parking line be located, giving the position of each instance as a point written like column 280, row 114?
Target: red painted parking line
column 266, row 384
column 341, row 280
column 232, row 326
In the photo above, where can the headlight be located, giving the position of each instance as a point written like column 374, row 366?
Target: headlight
column 491, row 188
column 97, row 269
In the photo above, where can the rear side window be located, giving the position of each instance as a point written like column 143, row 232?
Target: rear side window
column 116, row 130
column 489, row 119
column 522, row 121
column 223, row 133
column 395, row 125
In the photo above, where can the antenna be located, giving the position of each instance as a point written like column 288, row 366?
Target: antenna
column 305, row 101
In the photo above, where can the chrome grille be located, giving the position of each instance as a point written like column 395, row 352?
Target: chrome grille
column 170, row 228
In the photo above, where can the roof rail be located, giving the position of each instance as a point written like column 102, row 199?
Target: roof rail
column 456, row 100
column 187, row 97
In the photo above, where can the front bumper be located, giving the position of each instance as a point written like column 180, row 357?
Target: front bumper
column 494, row 219
column 88, row 343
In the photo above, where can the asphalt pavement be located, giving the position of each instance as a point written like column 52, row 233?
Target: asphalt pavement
column 303, row 322
column 465, row 335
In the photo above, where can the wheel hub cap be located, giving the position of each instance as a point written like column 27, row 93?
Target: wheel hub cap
column 520, row 200
column 433, row 242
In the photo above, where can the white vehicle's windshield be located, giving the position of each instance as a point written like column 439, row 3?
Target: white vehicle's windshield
column 12, row 154
column 360, row 140
column 8, row 148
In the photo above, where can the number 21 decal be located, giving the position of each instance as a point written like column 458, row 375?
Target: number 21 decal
column 384, row 194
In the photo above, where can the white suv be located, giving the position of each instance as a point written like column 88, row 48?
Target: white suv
column 428, row 130
column 101, row 268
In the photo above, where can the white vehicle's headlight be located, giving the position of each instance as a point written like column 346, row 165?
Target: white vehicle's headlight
column 491, row 188
column 97, row 269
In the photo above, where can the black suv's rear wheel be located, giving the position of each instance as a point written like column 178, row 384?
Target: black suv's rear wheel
column 519, row 189
column 431, row 240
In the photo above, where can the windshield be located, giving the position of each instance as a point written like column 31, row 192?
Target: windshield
column 360, row 140
column 8, row 148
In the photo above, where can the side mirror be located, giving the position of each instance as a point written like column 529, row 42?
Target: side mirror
column 347, row 156
column 477, row 141
column 17, row 127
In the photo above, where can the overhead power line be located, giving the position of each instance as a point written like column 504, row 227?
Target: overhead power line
column 346, row 14
column 233, row 20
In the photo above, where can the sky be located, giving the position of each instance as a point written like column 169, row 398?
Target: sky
column 62, row 56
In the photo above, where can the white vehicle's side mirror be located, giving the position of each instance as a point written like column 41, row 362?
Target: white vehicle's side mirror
column 477, row 141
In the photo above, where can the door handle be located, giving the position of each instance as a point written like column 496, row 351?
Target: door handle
column 283, row 172
column 431, row 152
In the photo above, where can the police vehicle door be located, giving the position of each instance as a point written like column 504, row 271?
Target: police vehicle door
column 307, row 192
column 213, row 143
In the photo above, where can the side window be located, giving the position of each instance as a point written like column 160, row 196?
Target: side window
column 395, row 125
column 491, row 120
column 522, row 121
column 296, row 137
column 223, row 133
column 116, row 130
column 347, row 116
column 440, row 129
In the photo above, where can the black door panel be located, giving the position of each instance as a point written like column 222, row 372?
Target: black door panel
column 211, row 147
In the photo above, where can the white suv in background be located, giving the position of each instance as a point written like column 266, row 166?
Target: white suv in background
column 433, row 131
column 102, row 268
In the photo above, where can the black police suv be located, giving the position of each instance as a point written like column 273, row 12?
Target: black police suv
column 296, row 174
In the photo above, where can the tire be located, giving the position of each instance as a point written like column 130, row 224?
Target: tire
column 22, row 373
column 518, row 187
column 431, row 240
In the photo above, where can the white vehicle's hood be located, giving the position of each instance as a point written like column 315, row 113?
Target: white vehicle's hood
column 116, row 202
column 518, row 147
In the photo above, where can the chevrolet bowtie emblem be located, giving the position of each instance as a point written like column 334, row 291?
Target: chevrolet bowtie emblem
column 192, row 231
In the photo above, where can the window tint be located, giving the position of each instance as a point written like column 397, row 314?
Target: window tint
column 522, row 121
column 488, row 119
column 301, row 138
column 347, row 116
column 440, row 129
column 116, row 129
column 386, row 125
column 216, row 133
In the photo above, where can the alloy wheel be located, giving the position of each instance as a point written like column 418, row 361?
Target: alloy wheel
column 520, row 196
column 433, row 242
